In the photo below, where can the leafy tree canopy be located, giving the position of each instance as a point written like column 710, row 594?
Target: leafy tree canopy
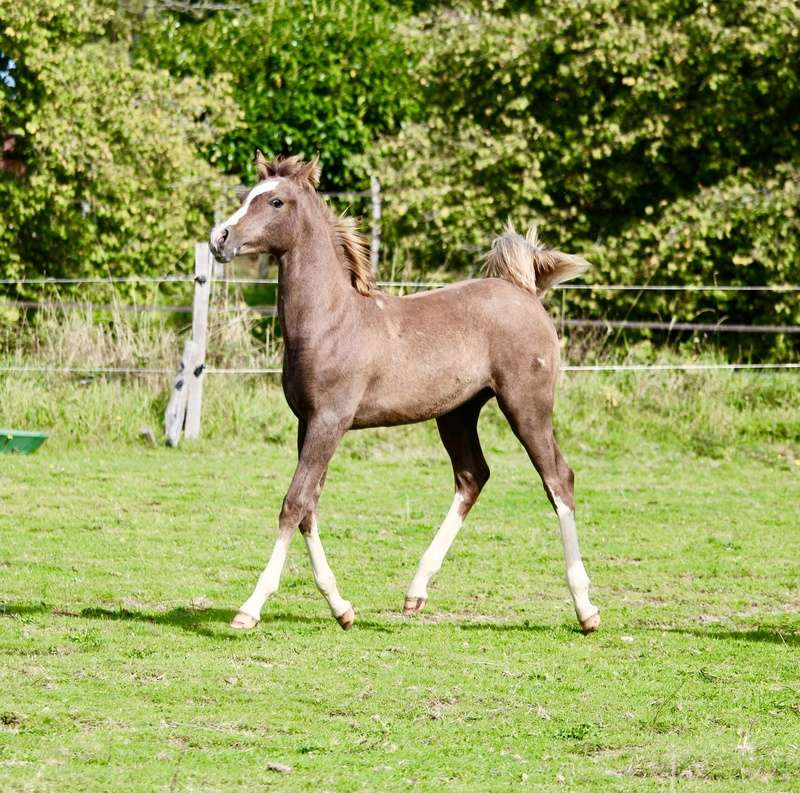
column 103, row 167
column 308, row 76
column 661, row 139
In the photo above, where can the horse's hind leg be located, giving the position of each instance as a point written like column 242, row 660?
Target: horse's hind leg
column 531, row 420
column 577, row 579
column 459, row 433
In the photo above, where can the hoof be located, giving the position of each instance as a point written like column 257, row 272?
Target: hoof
column 243, row 622
column 591, row 624
column 347, row 619
column 413, row 606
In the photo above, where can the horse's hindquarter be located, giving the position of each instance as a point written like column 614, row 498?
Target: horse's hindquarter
column 433, row 351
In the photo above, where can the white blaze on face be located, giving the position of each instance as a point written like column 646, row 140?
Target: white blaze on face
column 259, row 189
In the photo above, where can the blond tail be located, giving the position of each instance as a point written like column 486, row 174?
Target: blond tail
column 528, row 264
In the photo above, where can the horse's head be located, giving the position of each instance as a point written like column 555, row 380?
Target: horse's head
column 268, row 219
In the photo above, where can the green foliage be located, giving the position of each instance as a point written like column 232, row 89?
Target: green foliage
column 744, row 230
column 661, row 139
column 308, row 76
column 114, row 182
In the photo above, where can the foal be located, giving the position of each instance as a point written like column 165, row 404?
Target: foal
column 356, row 357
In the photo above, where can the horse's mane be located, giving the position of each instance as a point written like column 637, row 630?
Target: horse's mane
column 354, row 245
column 356, row 251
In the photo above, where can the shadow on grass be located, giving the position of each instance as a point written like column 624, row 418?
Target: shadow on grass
column 213, row 622
column 188, row 619
column 788, row 637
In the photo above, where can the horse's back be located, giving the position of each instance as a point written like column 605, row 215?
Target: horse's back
column 482, row 312
column 435, row 350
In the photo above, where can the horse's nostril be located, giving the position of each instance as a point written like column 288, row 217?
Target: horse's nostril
column 223, row 235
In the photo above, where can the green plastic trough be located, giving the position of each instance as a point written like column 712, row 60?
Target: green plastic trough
column 20, row 442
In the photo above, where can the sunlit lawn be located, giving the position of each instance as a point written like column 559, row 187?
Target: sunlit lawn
column 120, row 568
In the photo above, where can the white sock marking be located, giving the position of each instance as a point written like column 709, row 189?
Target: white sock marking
column 269, row 579
column 577, row 579
column 432, row 559
column 323, row 575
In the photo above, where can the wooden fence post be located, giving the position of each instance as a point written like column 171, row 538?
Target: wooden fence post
column 176, row 409
column 195, row 378
column 375, row 242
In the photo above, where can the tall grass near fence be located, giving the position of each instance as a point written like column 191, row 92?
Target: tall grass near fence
column 113, row 339
column 710, row 413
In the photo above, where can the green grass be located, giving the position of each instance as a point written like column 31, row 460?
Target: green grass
column 112, row 679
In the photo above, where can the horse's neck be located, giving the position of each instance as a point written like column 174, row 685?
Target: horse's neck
column 314, row 290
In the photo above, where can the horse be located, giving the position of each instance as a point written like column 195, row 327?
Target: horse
column 356, row 357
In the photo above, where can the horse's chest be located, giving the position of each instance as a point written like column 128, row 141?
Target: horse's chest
column 314, row 381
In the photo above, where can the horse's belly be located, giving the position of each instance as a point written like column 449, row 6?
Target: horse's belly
column 418, row 394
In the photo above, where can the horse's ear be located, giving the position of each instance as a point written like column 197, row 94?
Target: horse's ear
column 262, row 166
column 310, row 171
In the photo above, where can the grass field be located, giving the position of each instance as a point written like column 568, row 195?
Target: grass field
column 121, row 565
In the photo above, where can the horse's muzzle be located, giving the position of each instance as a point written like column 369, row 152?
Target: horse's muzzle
column 217, row 243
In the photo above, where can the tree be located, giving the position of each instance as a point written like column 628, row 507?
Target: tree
column 308, row 76
column 111, row 177
column 660, row 139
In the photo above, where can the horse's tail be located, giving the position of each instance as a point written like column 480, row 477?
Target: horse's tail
column 528, row 264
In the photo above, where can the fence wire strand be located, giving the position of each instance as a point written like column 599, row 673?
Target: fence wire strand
column 271, row 311
column 120, row 279
column 417, row 285
column 666, row 367
column 186, row 279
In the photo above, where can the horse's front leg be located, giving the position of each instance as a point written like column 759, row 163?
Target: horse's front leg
column 323, row 575
column 317, row 442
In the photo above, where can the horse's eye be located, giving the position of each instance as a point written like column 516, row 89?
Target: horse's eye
column 276, row 202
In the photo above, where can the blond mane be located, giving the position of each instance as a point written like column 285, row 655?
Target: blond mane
column 354, row 245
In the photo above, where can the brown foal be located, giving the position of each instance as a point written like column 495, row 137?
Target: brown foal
column 356, row 357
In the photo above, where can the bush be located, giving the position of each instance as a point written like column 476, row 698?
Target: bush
column 109, row 176
column 307, row 75
column 659, row 139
